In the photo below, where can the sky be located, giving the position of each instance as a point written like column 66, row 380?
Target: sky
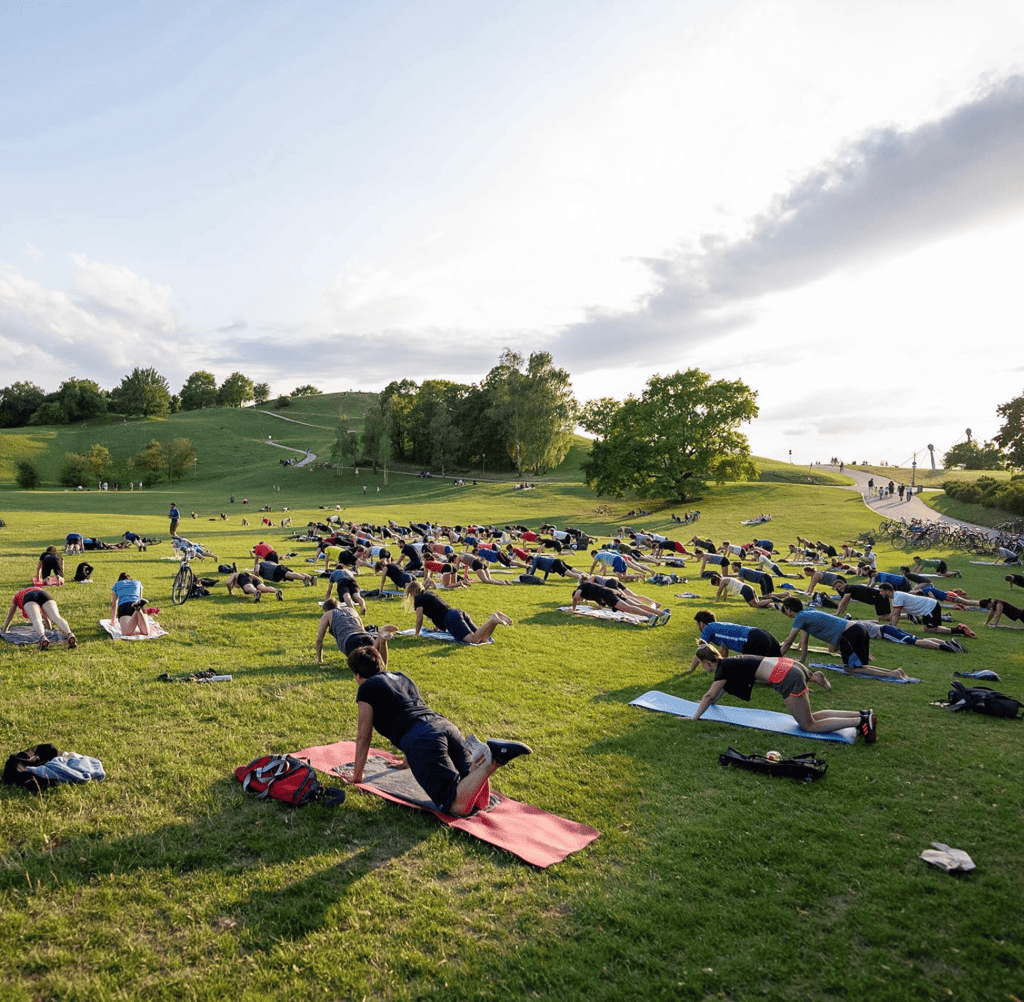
column 825, row 200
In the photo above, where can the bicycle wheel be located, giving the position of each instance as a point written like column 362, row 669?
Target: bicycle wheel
column 898, row 542
column 884, row 528
column 182, row 587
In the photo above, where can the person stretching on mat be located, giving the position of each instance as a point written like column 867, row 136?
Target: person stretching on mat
column 789, row 679
column 127, row 605
column 449, row 620
column 51, row 563
column 997, row 608
column 343, row 623
column 39, row 608
column 439, row 757
column 611, row 598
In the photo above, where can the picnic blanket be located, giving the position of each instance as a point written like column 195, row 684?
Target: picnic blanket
column 22, row 635
column 610, row 614
column 853, row 674
column 155, row 630
column 741, row 716
column 439, row 635
column 533, row 835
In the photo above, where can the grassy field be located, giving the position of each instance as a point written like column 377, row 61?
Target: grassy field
column 166, row 882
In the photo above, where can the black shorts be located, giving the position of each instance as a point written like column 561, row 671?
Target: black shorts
column 763, row 644
column 37, row 596
column 934, row 618
column 747, row 593
column 356, row 640
column 279, row 573
column 130, row 608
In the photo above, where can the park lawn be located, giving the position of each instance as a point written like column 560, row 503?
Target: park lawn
column 165, row 882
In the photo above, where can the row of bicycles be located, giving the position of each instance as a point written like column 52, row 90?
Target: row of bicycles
column 902, row 535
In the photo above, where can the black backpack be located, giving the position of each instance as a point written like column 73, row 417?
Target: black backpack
column 15, row 771
column 982, row 699
column 804, row 767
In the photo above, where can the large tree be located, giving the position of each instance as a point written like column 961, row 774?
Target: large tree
column 678, row 437
column 75, row 400
column 199, row 391
column 142, row 393
column 236, row 390
column 535, row 407
column 1011, row 434
column 971, row 456
column 18, row 402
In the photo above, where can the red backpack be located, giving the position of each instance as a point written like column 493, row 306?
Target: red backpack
column 287, row 779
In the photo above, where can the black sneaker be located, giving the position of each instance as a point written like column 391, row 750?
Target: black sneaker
column 259, row 595
column 502, row 752
column 280, row 595
column 868, row 726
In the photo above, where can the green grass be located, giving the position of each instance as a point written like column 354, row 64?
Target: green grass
column 165, row 882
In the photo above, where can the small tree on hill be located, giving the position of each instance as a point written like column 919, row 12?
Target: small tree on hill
column 261, row 393
column 306, row 391
column 236, row 390
column 26, row 474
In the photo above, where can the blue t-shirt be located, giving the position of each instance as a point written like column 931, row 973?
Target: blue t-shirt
column 732, row 635
column 127, row 591
column 821, row 625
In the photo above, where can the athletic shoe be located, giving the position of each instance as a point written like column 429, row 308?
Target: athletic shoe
column 868, row 726
column 652, row 620
column 502, row 752
column 258, row 596
column 72, row 641
column 44, row 644
column 664, row 616
column 965, row 631
column 280, row 595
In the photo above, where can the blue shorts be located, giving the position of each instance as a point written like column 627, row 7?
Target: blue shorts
column 619, row 565
column 458, row 624
column 438, row 757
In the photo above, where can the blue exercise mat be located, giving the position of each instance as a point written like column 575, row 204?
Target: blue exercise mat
column 852, row 674
column 758, row 720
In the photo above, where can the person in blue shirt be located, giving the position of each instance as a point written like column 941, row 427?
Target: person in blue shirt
column 174, row 515
column 127, row 607
column 736, row 637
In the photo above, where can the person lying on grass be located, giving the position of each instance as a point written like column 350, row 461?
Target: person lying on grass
column 449, row 620
column 436, row 753
column 789, row 679
column 127, row 606
column 344, row 624
column 612, row 598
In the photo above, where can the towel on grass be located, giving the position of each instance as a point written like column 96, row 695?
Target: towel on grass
column 613, row 615
column 23, row 635
column 439, row 635
column 533, row 835
column 155, row 630
column 853, row 674
column 741, row 716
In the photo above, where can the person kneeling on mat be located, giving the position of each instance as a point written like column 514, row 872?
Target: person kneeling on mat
column 789, row 679
column 434, row 748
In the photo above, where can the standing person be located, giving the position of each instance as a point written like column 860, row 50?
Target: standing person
column 51, row 563
column 449, row 620
column 174, row 515
column 127, row 606
column 436, row 753
column 789, row 679
column 39, row 608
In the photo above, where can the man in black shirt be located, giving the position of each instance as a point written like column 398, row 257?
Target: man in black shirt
column 450, row 771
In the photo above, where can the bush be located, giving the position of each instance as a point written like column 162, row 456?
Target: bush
column 283, row 401
column 75, row 470
column 27, row 475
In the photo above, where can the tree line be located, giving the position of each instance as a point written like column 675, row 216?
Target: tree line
column 141, row 393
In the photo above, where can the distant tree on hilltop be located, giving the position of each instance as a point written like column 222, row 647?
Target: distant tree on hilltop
column 143, row 393
column 199, row 391
column 236, row 390
column 305, row 391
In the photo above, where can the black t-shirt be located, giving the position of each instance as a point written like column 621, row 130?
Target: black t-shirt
column 739, row 674
column 433, row 608
column 596, row 593
column 396, row 703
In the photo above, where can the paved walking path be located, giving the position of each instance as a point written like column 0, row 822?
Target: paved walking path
column 893, row 507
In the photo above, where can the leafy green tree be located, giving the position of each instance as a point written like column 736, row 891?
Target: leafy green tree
column 261, row 393
column 400, row 396
column 305, row 391
column 150, row 458
column 972, row 456
column 199, row 391
column 534, row 405
column 1011, row 435
column 99, row 460
column 18, row 402
column 681, row 435
column 142, row 393
column 75, row 400
column 377, row 428
column 173, row 458
column 26, row 474
column 236, row 390
column 282, row 401
column 74, row 471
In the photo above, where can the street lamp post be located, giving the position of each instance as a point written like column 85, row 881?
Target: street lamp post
column 483, row 464
column 913, row 471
